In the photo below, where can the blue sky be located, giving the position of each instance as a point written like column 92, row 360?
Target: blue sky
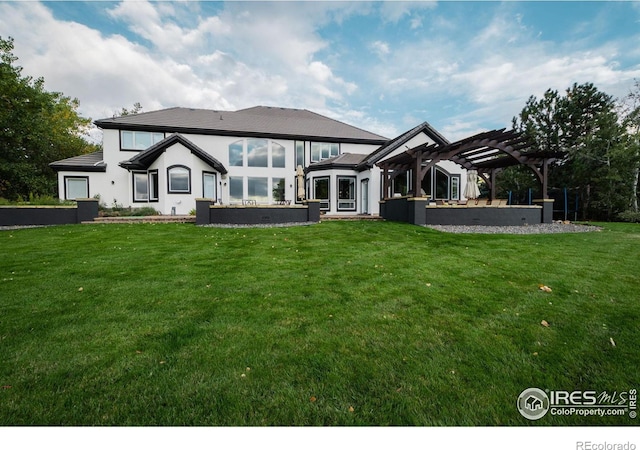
column 464, row 67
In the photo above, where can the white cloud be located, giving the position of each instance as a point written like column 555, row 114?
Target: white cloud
column 380, row 48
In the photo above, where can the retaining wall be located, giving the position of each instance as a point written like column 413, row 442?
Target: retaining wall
column 86, row 210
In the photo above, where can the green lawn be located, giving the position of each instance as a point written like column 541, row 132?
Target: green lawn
column 332, row 324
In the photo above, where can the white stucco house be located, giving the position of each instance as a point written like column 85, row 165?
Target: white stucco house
column 167, row 159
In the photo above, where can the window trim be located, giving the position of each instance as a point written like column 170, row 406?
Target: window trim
column 451, row 179
column 355, row 193
column 295, row 154
column 66, row 185
column 326, row 201
column 156, row 198
column 435, row 183
column 133, row 184
column 215, row 184
column 178, row 166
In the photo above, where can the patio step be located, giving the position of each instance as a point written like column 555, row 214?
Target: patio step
column 145, row 219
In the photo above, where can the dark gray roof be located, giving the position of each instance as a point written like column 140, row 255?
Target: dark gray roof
column 263, row 121
column 91, row 162
column 395, row 143
column 343, row 161
column 144, row 159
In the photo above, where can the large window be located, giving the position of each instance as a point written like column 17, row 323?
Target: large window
column 277, row 155
column 299, row 154
column 257, row 152
column 277, row 189
column 76, row 187
column 236, row 151
column 209, row 185
column 400, row 184
column 324, row 150
column 179, row 180
column 139, row 140
column 140, row 187
column 257, row 189
column 442, row 184
column 145, row 186
column 235, row 189
column 321, row 191
column 346, row 193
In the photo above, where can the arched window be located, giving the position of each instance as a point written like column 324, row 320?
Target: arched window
column 179, row 179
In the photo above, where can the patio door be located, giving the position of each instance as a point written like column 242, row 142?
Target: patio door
column 364, row 196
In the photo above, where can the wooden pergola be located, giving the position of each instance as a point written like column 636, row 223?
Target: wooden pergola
column 488, row 153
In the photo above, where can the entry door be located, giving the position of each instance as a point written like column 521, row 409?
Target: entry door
column 364, row 196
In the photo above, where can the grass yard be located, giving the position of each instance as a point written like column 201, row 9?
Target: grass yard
column 341, row 323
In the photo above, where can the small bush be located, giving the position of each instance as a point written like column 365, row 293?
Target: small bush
column 630, row 216
column 128, row 212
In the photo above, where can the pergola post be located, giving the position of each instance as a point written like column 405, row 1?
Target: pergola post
column 417, row 178
column 385, row 181
column 545, row 176
column 493, row 185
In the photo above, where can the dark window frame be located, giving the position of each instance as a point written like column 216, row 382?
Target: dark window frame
column 157, row 190
column 137, row 150
column 215, row 184
column 355, row 192
column 322, row 200
column 133, row 184
column 178, row 166
column 66, row 186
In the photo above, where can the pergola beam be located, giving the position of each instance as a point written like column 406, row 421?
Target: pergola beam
column 488, row 153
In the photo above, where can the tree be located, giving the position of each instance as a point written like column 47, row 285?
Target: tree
column 137, row 108
column 584, row 126
column 37, row 127
column 630, row 107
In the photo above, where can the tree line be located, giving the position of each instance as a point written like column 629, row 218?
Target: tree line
column 598, row 140
column 597, row 136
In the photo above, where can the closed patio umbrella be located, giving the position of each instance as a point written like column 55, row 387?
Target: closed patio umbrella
column 300, row 176
column 471, row 191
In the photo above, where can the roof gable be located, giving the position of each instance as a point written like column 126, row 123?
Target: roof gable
column 145, row 158
column 395, row 143
column 259, row 121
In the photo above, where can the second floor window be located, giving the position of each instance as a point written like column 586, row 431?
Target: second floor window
column 139, row 140
column 324, row 150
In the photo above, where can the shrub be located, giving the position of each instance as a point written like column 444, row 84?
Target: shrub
column 630, row 216
column 120, row 211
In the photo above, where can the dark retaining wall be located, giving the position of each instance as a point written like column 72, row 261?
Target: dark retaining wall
column 418, row 212
column 85, row 211
column 404, row 209
column 483, row 215
column 207, row 213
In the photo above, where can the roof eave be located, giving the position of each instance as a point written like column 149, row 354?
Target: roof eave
column 240, row 133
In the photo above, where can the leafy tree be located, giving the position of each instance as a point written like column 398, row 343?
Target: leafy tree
column 584, row 125
column 37, row 127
